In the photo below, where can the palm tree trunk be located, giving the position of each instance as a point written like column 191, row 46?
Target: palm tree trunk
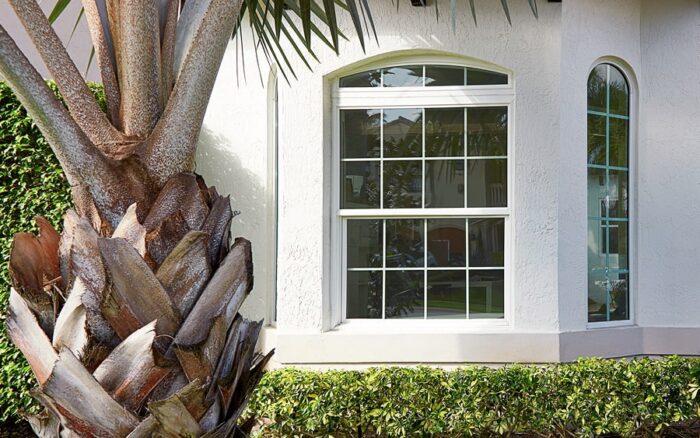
column 130, row 318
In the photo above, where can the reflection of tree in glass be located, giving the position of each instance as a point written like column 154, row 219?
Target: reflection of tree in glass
column 374, row 295
column 618, row 299
column 597, row 93
column 402, row 184
column 487, row 131
column 404, row 294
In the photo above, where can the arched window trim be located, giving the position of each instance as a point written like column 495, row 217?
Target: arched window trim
column 407, row 97
column 633, row 89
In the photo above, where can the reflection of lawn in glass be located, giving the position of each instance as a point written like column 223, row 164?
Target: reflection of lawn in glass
column 445, row 304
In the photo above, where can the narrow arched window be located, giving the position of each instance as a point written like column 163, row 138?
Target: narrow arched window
column 608, row 194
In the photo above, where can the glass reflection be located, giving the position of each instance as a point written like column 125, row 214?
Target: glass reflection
column 597, row 296
column 486, row 242
column 596, row 139
column 364, row 294
column 360, row 133
column 486, row 294
column 403, row 132
column 447, row 242
column 447, row 295
column 618, row 142
column 442, row 75
column 360, row 184
column 619, row 297
column 371, row 78
column 364, row 243
column 404, row 294
column 618, row 193
column 597, row 92
column 403, row 185
column 597, row 244
column 616, row 245
column 487, row 184
column 487, row 132
column 444, row 183
column 597, row 194
column 483, row 77
column 619, row 92
column 404, row 243
column 407, row 76
column 444, row 132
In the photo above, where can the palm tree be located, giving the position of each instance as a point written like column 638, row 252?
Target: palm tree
column 129, row 318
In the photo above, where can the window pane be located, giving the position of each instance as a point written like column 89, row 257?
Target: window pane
column 618, row 142
column 597, row 204
column 404, row 294
column 597, row 296
column 446, row 242
column 487, row 183
column 402, row 184
column 364, row 241
column 444, row 132
column 371, row 78
column 404, row 243
column 486, row 294
column 486, row 242
column 440, row 75
column 359, row 133
column 619, row 92
column 483, row 77
column 617, row 189
column 360, row 182
column 447, row 294
column 444, row 183
column 408, row 76
column 619, row 297
column 617, row 245
column 364, row 294
column 596, row 139
column 403, row 132
column 596, row 89
column 487, row 132
column 597, row 245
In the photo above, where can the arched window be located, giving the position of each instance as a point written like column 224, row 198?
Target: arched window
column 422, row 196
column 608, row 194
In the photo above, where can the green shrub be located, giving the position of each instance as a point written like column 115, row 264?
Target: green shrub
column 588, row 398
column 31, row 183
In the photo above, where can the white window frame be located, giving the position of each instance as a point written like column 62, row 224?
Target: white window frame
column 417, row 97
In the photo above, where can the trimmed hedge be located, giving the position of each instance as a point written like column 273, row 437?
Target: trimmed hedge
column 586, row 398
column 31, row 183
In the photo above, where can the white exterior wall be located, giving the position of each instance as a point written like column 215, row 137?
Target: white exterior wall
column 78, row 47
column 658, row 47
column 669, row 165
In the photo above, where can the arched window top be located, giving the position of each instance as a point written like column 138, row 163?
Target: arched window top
column 608, row 91
column 423, row 75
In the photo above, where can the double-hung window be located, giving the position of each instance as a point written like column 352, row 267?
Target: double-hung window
column 422, row 159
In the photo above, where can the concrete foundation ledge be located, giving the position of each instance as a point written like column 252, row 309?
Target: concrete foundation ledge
column 340, row 348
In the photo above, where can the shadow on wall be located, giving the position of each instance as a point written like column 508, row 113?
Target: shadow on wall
column 217, row 161
column 221, row 167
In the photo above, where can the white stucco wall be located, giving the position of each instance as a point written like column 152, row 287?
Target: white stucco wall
column 78, row 47
column 669, row 165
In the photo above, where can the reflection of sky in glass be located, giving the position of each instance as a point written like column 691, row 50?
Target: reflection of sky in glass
column 403, row 76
